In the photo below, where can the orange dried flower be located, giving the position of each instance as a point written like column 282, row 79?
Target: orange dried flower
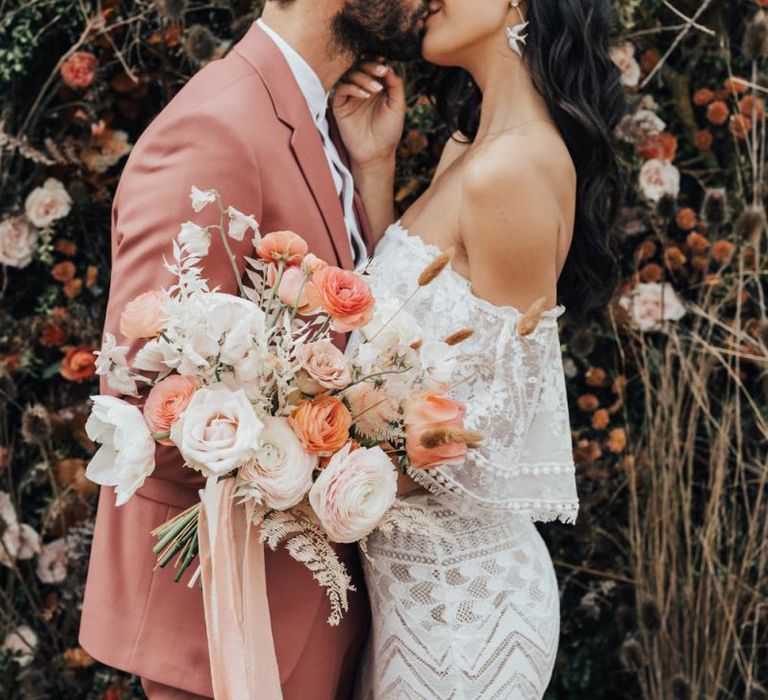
column 79, row 69
column 79, row 364
column 651, row 273
column 65, row 247
column 674, row 257
column 696, row 242
column 617, row 440
column 53, row 334
column 73, row 288
column 722, row 251
column 647, row 249
column 596, row 376
column 78, row 658
column 649, row 59
column 600, row 419
column 703, row 96
column 717, row 113
column 91, row 276
column 588, row 403
column 752, row 106
column 662, row 146
column 740, row 126
column 699, row 262
column 703, row 139
column 736, row 86
column 685, row 218
column 63, row 271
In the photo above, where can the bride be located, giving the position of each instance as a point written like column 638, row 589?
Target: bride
column 525, row 192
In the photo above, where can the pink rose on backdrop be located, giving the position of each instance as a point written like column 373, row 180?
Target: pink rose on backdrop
column 353, row 492
column 323, row 366
column 143, row 317
column 165, row 403
column 48, row 203
column 79, row 69
column 623, row 56
column 650, row 304
column 659, row 178
column 281, row 468
column 282, row 245
column 346, row 297
column 52, row 561
column 427, row 412
column 18, row 241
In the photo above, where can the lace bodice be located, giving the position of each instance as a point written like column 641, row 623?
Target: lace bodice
column 513, row 386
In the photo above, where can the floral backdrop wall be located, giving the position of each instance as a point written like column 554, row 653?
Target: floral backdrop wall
column 663, row 577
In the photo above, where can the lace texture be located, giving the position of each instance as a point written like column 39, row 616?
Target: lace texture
column 470, row 609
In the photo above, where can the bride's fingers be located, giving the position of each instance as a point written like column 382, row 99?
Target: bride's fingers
column 345, row 91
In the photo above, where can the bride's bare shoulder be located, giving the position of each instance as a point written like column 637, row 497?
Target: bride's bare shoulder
column 456, row 144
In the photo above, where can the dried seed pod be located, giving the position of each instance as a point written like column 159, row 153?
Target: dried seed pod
column 436, row 267
column 459, row 336
column 36, row 425
column 527, row 324
column 172, row 10
column 199, row 44
column 432, row 439
column 631, row 655
column 755, row 43
column 650, row 615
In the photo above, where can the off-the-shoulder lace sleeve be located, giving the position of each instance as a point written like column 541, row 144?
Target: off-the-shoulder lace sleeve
column 514, row 389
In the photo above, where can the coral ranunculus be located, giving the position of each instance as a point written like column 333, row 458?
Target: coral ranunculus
column 346, row 297
column 282, row 245
column 79, row 364
column 322, row 425
column 427, row 412
column 168, row 399
column 79, row 69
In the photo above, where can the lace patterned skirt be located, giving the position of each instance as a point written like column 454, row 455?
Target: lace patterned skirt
column 469, row 610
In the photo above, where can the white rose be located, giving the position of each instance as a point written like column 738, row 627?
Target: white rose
column 194, row 239
column 623, row 56
column 239, row 223
column 48, row 203
column 127, row 453
column 52, row 562
column 218, row 432
column 659, row 178
column 650, row 304
column 281, row 468
column 201, row 198
column 438, row 360
column 353, row 492
column 391, row 329
column 18, row 241
column 22, row 642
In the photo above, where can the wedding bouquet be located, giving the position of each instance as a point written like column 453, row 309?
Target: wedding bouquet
column 252, row 388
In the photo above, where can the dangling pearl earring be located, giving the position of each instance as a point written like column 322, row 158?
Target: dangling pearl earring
column 515, row 37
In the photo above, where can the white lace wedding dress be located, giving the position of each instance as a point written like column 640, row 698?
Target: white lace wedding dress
column 472, row 612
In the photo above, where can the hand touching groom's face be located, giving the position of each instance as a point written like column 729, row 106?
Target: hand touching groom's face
column 392, row 29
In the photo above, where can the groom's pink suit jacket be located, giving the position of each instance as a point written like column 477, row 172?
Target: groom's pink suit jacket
column 240, row 125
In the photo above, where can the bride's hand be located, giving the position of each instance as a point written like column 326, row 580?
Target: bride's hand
column 369, row 106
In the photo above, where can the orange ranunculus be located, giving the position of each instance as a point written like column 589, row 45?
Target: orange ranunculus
column 79, row 69
column 322, row 425
column 63, row 271
column 703, row 97
column 282, row 245
column 79, row 364
column 168, row 399
column 143, row 317
column 662, row 146
column 686, row 218
column 427, row 412
column 346, row 297
column 703, row 139
column 718, row 112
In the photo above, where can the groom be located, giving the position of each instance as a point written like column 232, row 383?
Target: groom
column 254, row 126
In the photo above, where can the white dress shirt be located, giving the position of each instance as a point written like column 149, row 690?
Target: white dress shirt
column 317, row 100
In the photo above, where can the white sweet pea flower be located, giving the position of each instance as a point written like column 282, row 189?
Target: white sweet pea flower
column 157, row 356
column 22, row 643
column 127, row 453
column 194, row 239
column 438, row 360
column 52, row 562
column 111, row 362
column 239, row 223
column 201, row 198
column 218, row 432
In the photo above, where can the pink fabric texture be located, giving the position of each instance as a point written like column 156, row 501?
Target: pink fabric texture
column 240, row 125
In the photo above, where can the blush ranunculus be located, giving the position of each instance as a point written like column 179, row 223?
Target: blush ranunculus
column 322, row 425
column 282, row 245
column 79, row 364
column 296, row 290
column 426, row 412
column 79, row 69
column 165, row 403
column 346, row 297
column 281, row 468
column 353, row 492
column 324, row 367
column 143, row 317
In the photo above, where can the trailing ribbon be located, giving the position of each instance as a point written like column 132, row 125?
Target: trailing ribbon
column 240, row 644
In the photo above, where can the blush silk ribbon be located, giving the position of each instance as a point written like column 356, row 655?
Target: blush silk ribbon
column 240, row 644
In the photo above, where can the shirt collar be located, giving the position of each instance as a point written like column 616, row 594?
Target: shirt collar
column 309, row 83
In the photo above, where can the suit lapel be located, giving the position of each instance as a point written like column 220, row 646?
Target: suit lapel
column 306, row 143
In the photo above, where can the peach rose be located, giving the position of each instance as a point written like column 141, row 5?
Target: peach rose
column 427, row 412
column 659, row 178
column 78, row 364
column 282, row 245
column 168, row 399
column 650, row 304
column 324, row 366
column 18, row 241
column 623, row 56
column 143, row 317
column 322, row 425
column 346, row 297
column 293, row 283
column 79, row 69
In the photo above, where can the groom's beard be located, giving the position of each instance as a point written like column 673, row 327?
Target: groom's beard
column 388, row 28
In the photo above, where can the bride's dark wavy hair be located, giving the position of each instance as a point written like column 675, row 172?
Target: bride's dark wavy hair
column 567, row 56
